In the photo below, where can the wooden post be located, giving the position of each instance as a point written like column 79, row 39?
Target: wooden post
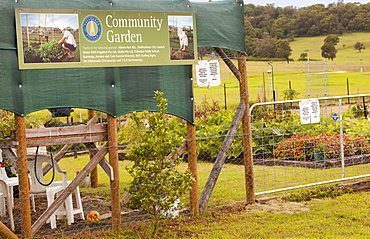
column 94, row 172
column 192, row 164
column 221, row 157
column 5, row 232
column 247, row 133
column 113, row 160
column 24, row 187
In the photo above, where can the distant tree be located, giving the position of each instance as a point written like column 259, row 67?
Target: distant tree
column 359, row 46
column 283, row 49
column 328, row 50
column 303, row 56
column 332, row 39
column 264, row 47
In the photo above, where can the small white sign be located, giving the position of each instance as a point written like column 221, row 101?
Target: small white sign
column 208, row 73
column 309, row 111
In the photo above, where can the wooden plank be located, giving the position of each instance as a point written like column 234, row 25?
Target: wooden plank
column 12, row 157
column 69, row 189
column 5, row 232
column 57, row 157
column 34, row 142
column 7, row 143
column 228, row 62
column 220, row 160
column 103, row 163
column 66, row 131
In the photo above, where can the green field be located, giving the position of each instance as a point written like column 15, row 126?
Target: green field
column 349, row 64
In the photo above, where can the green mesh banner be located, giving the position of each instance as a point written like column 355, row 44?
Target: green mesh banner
column 117, row 90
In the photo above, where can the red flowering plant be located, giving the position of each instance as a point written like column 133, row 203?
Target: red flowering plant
column 303, row 147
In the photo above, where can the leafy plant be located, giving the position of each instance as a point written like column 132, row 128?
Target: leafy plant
column 50, row 52
column 156, row 183
column 30, row 54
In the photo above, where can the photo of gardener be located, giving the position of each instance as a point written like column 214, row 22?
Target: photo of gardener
column 49, row 38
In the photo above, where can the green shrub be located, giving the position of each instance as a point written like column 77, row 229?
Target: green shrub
column 30, row 54
column 50, row 52
column 156, row 183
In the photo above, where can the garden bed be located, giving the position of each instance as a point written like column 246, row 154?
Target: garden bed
column 331, row 163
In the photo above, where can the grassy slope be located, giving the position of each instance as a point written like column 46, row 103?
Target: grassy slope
column 348, row 60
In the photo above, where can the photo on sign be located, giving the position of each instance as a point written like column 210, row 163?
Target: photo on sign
column 181, row 31
column 50, row 38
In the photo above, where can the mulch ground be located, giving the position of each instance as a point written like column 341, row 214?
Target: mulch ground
column 90, row 203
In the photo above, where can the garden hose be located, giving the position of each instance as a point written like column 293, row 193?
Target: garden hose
column 35, row 168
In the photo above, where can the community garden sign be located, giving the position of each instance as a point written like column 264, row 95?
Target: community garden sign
column 107, row 38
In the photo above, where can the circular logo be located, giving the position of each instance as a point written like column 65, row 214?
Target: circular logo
column 92, row 28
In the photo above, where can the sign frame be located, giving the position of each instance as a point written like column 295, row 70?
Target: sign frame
column 106, row 38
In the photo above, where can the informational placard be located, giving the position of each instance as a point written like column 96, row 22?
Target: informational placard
column 208, row 73
column 309, row 111
column 90, row 38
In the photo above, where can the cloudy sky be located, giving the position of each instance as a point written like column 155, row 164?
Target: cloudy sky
column 296, row 3
column 299, row 3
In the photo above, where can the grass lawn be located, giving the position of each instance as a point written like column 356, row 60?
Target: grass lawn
column 349, row 64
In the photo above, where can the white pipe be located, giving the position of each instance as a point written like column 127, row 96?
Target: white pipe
column 311, row 185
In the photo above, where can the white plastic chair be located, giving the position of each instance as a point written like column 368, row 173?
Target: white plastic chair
column 53, row 189
column 5, row 195
column 10, row 182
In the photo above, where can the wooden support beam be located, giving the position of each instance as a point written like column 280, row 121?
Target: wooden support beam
column 66, row 148
column 180, row 151
column 69, row 189
column 220, row 160
column 5, row 232
column 94, row 173
column 228, row 62
column 247, row 132
column 24, row 187
column 12, row 157
column 108, row 169
column 192, row 164
column 114, row 184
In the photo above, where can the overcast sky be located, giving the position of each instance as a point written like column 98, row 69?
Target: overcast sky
column 297, row 3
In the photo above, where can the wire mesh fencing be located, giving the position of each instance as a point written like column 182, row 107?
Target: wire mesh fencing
column 296, row 144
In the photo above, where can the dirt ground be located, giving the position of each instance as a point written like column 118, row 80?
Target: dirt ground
column 90, row 203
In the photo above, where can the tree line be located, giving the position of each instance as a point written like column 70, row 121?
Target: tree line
column 269, row 29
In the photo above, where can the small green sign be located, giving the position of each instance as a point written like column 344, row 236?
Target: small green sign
column 84, row 38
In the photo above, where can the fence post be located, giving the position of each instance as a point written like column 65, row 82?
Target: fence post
column 247, row 133
column 24, row 187
column 94, row 172
column 113, row 160
column 192, row 164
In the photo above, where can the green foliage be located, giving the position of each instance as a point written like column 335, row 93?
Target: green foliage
column 283, row 49
column 324, row 192
column 290, row 94
column 30, row 54
column 303, row 56
column 156, row 181
column 211, row 131
column 328, row 50
column 50, row 52
column 359, row 46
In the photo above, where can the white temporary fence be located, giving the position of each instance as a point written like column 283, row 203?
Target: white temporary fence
column 286, row 118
